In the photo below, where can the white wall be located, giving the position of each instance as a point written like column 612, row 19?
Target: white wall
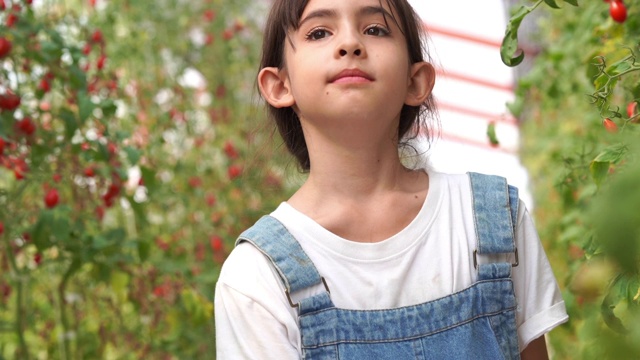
column 472, row 88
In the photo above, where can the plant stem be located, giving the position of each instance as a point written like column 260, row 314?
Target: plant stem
column 64, row 344
column 20, row 311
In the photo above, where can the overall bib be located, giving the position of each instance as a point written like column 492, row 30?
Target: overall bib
column 475, row 323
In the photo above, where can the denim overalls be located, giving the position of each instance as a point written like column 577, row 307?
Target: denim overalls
column 475, row 323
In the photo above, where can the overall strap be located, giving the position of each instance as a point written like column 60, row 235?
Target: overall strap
column 296, row 270
column 495, row 211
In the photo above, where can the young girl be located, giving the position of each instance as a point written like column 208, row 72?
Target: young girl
column 370, row 259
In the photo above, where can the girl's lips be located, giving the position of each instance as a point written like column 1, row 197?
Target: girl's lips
column 351, row 76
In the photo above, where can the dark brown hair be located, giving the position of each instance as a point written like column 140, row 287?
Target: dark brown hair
column 285, row 16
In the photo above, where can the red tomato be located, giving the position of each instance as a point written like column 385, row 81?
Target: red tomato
column 230, row 150
column 5, row 47
column 211, row 199
column 101, row 60
column 11, row 20
column 610, row 125
column 234, row 171
column 618, row 11
column 51, row 198
column 27, row 126
column 45, row 85
column 9, row 101
column 216, row 243
column 631, row 109
column 89, row 172
column 97, row 37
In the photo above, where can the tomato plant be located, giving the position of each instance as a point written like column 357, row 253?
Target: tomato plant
column 580, row 131
column 124, row 173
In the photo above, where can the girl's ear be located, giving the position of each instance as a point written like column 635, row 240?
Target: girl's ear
column 275, row 87
column 421, row 81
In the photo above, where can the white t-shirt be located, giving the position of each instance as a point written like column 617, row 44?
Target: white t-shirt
column 430, row 258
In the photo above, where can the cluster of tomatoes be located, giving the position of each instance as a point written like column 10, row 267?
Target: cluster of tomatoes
column 617, row 10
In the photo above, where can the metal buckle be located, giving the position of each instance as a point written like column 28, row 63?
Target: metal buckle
column 286, row 291
column 475, row 259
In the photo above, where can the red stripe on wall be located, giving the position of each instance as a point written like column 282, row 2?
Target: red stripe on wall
column 476, row 81
column 434, row 29
column 504, row 118
column 479, row 144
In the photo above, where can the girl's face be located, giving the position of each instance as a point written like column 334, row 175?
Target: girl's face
column 347, row 60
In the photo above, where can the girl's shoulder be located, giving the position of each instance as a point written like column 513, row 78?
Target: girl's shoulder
column 246, row 269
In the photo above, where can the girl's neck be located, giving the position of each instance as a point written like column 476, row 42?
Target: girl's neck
column 356, row 171
column 353, row 167
column 360, row 192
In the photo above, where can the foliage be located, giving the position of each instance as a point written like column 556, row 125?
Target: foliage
column 122, row 193
column 580, row 134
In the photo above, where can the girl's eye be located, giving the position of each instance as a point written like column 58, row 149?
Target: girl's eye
column 376, row 30
column 316, row 34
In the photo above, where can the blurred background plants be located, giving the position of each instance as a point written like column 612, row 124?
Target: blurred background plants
column 579, row 106
column 129, row 162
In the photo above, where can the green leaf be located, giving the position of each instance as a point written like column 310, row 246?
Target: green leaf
column 516, row 106
column 608, row 305
column 77, row 77
column 109, row 108
column 41, row 232
column 148, row 178
column 55, row 36
column 552, row 3
column 50, row 51
column 144, row 249
column 509, row 45
column 117, row 235
column 572, row 2
column 100, row 242
column 101, row 272
column 62, row 228
column 70, row 123
column 612, row 154
column 599, row 171
column 133, row 154
column 491, row 134
column 85, row 107
column 618, row 68
column 600, row 81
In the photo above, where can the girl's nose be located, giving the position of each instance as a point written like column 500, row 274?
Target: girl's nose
column 350, row 45
column 356, row 52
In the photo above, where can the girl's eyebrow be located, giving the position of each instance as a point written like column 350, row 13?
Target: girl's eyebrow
column 320, row 13
column 330, row 13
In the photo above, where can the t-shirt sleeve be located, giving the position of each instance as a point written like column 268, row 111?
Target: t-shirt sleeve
column 540, row 304
column 251, row 320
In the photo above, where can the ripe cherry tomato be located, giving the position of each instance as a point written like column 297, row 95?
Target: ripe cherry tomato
column 5, row 47
column 51, row 198
column 610, row 125
column 631, row 108
column 618, row 11
column 27, row 126
column 9, row 101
